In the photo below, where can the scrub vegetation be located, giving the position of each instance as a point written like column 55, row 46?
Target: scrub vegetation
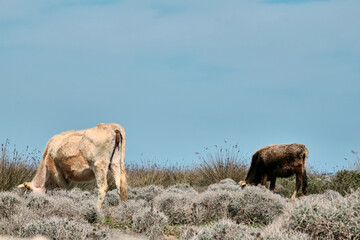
column 203, row 202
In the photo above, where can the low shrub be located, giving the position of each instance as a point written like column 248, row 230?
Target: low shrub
column 13, row 214
column 60, row 228
column 8, row 201
column 181, row 188
column 75, row 194
column 27, row 215
column 176, row 203
column 346, row 181
column 112, row 198
column 227, row 184
column 146, row 193
column 212, row 205
column 318, row 184
column 61, row 206
column 121, row 216
column 328, row 216
column 149, row 221
column 227, row 230
column 256, row 206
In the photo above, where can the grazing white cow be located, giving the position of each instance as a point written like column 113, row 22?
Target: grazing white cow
column 81, row 156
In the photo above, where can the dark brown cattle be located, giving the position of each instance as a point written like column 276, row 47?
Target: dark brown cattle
column 274, row 161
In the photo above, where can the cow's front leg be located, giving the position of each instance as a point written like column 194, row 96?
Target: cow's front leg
column 100, row 170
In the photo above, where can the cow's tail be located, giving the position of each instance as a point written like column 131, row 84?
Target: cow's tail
column 123, row 181
column 305, row 178
column 305, row 157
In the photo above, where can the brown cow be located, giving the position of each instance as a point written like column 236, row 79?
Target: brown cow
column 81, row 156
column 274, row 161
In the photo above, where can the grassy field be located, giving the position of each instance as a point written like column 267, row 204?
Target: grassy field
column 175, row 202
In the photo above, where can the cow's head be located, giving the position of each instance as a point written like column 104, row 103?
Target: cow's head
column 25, row 185
column 243, row 184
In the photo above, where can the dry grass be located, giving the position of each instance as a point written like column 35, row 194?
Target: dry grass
column 149, row 173
column 16, row 167
column 215, row 165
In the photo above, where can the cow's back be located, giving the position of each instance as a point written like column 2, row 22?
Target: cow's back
column 65, row 144
column 282, row 160
column 98, row 141
column 89, row 142
column 282, row 153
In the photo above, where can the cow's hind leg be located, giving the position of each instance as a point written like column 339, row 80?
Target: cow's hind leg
column 115, row 170
column 272, row 183
column 299, row 180
column 304, row 184
column 100, row 170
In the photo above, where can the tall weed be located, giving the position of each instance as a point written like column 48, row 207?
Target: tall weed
column 223, row 162
column 16, row 167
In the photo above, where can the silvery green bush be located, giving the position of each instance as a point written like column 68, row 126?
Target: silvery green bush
column 112, row 198
column 225, row 230
column 211, row 206
column 60, row 228
column 149, row 221
column 181, row 189
column 27, row 215
column 146, row 193
column 8, row 203
column 256, row 206
column 67, row 206
column 122, row 215
column 328, row 216
column 225, row 185
column 13, row 214
column 228, row 230
column 176, row 202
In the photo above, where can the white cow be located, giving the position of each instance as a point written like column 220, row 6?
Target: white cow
column 81, row 156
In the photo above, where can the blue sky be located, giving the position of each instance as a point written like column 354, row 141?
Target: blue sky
column 184, row 75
